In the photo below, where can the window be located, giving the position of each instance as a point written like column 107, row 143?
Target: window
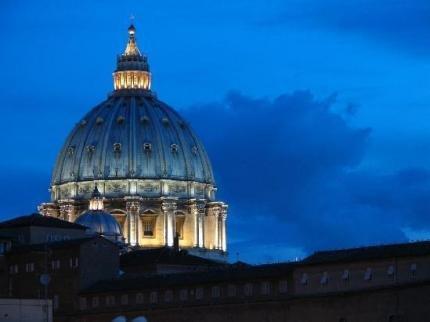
column 183, row 294
column 283, row 286
column 147, row 147
column 174, row 148
column 99, row 120
column 247, row 289
column 304, row 279
column 153, row 297
column 95, row 301
column 110, row 300
column 148, row 227
column 13, row 269
column 368, row 274
column 56, row 301
column 216, row 291
column 124, row 299
column 29, row 267
column 194, row 150
column 324, row 278
column 139, row 298
column 117, row 147
column 231, row 290
column 120, row 119
column 413, row 269
column 345, row 275
column 168, row 296
column 390, row 270
column 165, row 121
column 83, row 303
column 199, row 293
column 265, row 288
column 180, row 227
column 74, row 262
column 55, row 264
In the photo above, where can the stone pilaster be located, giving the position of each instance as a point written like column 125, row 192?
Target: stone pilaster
column 201, row 212
column 223, row 219
column 169, row 210
column 132, row 208
column 195, row 223
column 66, row 212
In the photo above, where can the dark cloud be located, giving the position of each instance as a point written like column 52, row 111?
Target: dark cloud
column 404, row 24
column 289, row 169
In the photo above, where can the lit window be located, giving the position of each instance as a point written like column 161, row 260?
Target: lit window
column 283, row 287
column 139, row 298
column 368, row 274
column 231, row 290
column 324, row 278
column 247, row 289
column 95, row 301
column 199, row 293
column 304, row 279
column 345, row 275
column 148, row 227
column 216, row 292
column 153, row 297
column 168, row 296
column 183, row 295
column 124, row 299
column 390, row 270
column 265, row 288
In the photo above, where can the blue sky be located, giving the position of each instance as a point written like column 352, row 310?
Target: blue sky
column 314, row 113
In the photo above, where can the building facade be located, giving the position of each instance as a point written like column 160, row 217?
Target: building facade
column 150, row 167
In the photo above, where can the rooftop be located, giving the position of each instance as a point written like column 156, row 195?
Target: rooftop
column 37, row 220
column 421, row 248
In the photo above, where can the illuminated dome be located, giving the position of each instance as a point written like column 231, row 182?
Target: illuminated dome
column 99, row 221
column 152, row 176
column 131, row 135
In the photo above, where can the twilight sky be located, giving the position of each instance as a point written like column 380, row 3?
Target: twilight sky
column 314, row 113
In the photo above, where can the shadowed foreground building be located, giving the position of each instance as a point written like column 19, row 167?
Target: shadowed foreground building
column 134, row 232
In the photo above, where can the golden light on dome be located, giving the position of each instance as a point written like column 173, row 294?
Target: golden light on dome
column 133, row 70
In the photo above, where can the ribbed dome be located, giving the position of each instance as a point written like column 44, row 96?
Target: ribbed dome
column 132, row 135
column 102, row 223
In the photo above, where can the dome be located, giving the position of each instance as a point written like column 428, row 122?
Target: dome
column 101, row 223
column 132, row 135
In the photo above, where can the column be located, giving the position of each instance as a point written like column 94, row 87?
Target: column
column 169, row 208
column 201, row 209
column 224, row 228
column 194, row 217
column 216, row 212
column 133, row 208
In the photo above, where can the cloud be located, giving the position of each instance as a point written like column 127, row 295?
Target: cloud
column 289, row 168
column 403, row 24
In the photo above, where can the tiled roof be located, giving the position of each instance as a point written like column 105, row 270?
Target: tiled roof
column 163, row 255
column 369, row 253
column 39, row 221
column 224, row 274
